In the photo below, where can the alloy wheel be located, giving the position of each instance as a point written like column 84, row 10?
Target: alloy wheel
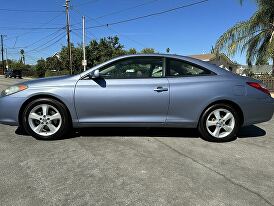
column 220, row 123
column 45, row 120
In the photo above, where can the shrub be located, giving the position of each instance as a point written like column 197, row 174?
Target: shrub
column 56, row 73
column 29, row 73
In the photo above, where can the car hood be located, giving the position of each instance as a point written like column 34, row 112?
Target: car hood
column 53, row 81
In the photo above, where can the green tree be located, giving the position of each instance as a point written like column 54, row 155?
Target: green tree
column 22, row 60
column 97, row 51
column 77, row 57
column 17, row 65
column 132, row 51
column 254, row 36
column 104, row 50
column 53, row 63
column 41, row 67
column 148, row 51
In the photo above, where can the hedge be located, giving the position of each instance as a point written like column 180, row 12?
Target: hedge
column 56, row 73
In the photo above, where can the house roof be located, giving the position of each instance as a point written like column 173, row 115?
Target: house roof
column 263, row 69
column 210, row 57
column 204, row 57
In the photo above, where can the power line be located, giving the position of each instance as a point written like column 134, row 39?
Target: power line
column 45, row 37
column 29, row 11
column 146, row 16
column 32, row 58
column 89, row 34
column 84, row 3
column 51, row 44
column 45, row 48
column 38, row 48
column 29, row 28
column 130, row 39
column 126, row 9
column 44, row 24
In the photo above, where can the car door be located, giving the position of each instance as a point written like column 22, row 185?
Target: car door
column 190, row 86
column 130, row 90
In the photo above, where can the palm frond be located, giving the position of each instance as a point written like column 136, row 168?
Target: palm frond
column 252, row 36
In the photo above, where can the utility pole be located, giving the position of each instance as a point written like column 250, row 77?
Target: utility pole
column 84, row 63
column 68, row 36
column 2, row 51
column 7, row 62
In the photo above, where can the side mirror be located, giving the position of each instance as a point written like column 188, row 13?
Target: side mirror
column 94, row 74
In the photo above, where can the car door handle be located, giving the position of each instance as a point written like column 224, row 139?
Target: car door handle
column 160, row 89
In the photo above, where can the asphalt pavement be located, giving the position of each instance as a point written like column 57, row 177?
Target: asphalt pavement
column 137, row 166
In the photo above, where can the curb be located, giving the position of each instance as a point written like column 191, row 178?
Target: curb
column 27, row 78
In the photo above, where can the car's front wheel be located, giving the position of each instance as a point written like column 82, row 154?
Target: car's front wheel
column 219, row 123
column 46, row 119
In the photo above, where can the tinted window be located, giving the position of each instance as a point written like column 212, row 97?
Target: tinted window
column 134, row 68
column 181, row 68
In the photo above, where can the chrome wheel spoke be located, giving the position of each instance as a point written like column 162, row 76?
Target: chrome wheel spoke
column 211, row 123
column 227, row 116
column 56, row 116
column 34, row 116
column 39, row 128
column 45, row 109
column 216, row 132
column 52, row 128
column 217, row 114
column 227, row 128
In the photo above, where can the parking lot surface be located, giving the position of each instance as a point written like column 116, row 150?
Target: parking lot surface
column 141, row 166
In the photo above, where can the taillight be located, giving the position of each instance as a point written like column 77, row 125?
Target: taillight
column 259, row 87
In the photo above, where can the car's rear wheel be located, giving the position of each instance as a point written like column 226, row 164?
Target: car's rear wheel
column 219, row 123
column 46, row 119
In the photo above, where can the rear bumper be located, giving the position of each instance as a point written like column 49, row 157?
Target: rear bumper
column 9, row 109
column 257, row 111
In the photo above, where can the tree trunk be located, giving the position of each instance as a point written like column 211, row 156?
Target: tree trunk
column 272, row 66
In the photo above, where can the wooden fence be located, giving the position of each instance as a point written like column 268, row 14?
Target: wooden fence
column 269, row 82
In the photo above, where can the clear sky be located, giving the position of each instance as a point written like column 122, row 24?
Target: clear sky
column 192, row 30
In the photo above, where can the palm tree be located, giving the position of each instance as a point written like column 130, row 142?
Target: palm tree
column 254, row 36
column 22, row 52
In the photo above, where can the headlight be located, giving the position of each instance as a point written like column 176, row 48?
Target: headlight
column 13, row 89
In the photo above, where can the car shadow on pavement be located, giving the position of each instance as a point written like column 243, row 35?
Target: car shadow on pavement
column 139, row 132
column 251, row 131
column 245, row 132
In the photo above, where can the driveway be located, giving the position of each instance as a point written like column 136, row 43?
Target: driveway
column 137, row 167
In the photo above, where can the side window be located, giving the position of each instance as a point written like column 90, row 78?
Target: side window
column 132, row 68
column 179, row 68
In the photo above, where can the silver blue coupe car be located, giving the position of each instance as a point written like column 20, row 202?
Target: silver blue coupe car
column 139, row 91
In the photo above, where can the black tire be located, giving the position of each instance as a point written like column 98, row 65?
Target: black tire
column 65, row 126
column 21, row 131
column 203, row 129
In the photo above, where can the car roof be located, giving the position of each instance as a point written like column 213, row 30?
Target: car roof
column 194, row 61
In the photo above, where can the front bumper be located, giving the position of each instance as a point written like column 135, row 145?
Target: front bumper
column 9, row 109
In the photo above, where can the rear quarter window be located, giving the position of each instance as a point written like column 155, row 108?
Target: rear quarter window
column 180, row 68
